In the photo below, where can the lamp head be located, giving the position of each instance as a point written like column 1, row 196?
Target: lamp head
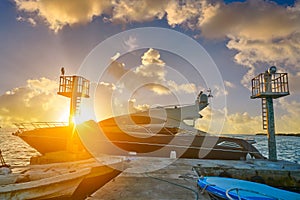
column 272, row 70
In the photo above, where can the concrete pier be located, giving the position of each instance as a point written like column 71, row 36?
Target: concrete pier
column 163, row 178
column 153, row 178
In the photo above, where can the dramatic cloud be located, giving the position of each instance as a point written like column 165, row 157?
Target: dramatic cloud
column 151, row 74
column 59, row 13
column 37, row 101
column 124, row 87
column 183, row 14
column 152, row 66
column 136, row 108
column 270, row 34
column 244, row 123
column 266, row 36
column 127, row 11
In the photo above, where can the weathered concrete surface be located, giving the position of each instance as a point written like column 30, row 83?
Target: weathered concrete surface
column 275, row 173
column 163, row 178
column 153, row 178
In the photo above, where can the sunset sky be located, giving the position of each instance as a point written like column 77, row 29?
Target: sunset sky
column 242, row 39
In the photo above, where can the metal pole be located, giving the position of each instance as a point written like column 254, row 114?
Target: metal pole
column 73, row 100
column 270, row 117
column 271, row 130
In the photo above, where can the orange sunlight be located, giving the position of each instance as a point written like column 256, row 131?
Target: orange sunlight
column 78, row 119
column 64, row 117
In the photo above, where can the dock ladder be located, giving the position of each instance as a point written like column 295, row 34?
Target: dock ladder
column 264, row 113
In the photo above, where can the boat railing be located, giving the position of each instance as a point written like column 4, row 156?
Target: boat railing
column 259, row 195
column 170, row 106
column 36, row 125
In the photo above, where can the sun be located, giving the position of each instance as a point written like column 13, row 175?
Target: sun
column 64, row 117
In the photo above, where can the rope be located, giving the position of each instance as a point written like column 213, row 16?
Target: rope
column 176, row 184
column 251, row 191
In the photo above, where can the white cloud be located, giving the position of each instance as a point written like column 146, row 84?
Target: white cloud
column 266, row 36
column 152, row 66
column 116, row 56
column 186, row 88
column 183, row 14
column 236, row 123
column 127, row 11
column 59, row 13
column 136, row 108
column 229, row 84
column 29, row 20
column 151, row 74
column 155, row 70
column 130, row 43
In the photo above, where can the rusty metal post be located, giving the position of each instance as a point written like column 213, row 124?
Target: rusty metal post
column 271, row 130
column 270, row 117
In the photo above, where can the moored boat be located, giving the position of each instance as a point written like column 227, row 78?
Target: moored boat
column 117, row 141
column 44, row 185
column 185, row 146
column 64, row 180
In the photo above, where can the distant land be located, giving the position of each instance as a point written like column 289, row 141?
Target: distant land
column 282, row 134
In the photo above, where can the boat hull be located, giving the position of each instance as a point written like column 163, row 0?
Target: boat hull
column 52, row 187
column 101, row 140
column 98, row 177
column 46, row 140
column 111, row 139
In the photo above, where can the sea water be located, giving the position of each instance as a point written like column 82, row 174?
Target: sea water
column 17, row 153
column 288, row 147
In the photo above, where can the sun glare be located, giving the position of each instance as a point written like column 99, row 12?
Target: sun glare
column 64, row 117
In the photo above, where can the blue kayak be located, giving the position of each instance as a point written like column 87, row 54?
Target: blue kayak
column 230, row 188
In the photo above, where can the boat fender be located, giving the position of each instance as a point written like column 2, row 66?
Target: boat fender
column 5, row 170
